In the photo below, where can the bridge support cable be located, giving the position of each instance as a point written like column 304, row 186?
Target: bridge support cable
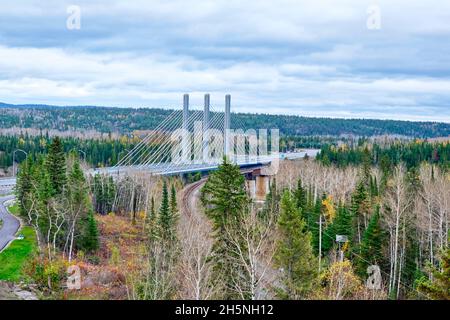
column 196, row 143
column 159, row 138
column 166, row 148
column 206, row 137
column 142, row 144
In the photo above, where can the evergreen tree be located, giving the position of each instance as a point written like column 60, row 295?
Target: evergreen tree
column 225, row 201
column 341, row 225
column 360, row 208
column 312, row 214
column 386, row 170
column 151, row 215
column 166, row 222
column 294, row 252
column 271, row 205
column 366, row 165
column 300, row 195
column 56, row 166
column 370, row 252
column 224, row 195
column 85, row 233
column 439, row 287
column 173, row 202
column 24, row 186
column 90, row 241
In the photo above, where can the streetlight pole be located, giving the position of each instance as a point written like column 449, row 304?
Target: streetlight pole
column 79, row 150
column 119, row 158
column 14, row 159
column 84, row 154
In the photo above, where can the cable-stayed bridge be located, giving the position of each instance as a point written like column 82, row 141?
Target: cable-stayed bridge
column 197, row 140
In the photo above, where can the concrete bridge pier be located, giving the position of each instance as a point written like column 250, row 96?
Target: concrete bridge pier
column 258, row 185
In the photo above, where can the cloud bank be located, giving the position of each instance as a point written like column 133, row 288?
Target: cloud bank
column 313, row 58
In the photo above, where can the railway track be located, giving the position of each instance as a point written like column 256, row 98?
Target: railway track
column 188, row 193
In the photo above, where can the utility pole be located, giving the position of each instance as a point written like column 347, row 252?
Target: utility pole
column 84, row 154
column 320, row 241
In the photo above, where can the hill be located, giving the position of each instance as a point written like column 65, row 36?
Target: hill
column 127, row 120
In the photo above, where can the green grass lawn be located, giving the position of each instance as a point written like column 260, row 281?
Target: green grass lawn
column 14, row 209
column 13, row 258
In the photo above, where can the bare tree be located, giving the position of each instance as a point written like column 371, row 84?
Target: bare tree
column 432, row 211
column 398, row 204
column 337, row 182
column 253, row 248
column 195, row 266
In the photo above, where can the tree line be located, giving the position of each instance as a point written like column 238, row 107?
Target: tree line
column 127, row 120
column 412, row 154
column 95, row 152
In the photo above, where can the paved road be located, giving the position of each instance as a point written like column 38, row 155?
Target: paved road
column 7, row 182
column 10, row 224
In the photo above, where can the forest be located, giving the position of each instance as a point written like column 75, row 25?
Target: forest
column 95, row 120
column 411, row 154
column 326, row 230
column 95, row 152
column 107, row 151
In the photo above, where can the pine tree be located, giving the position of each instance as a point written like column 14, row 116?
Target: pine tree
column 300, row 195
column 294, row 252
column 56, row 166
column 271, row 205
column 90, row 240
column 312, row 215
column 360, row 208
column 366, row 166
column 225, row 201
column 166, row 223
column 224, row 195
column 439, row 288
column 386, row 171
column 85, row 232
column 341, row 225
column 151, row 215
column 173, row 202
column 370, row 252
column 24, row 186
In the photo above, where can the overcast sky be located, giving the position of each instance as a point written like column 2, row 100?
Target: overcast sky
column 313, row 58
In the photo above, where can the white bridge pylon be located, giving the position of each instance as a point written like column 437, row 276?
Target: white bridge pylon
column 197, row 140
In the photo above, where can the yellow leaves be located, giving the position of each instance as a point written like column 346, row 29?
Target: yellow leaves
column 21, row 141
column 43, row 142
column 123, row 139
column 341, row 281
column 345, row 246
column 344, row 147
column 330, row 211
